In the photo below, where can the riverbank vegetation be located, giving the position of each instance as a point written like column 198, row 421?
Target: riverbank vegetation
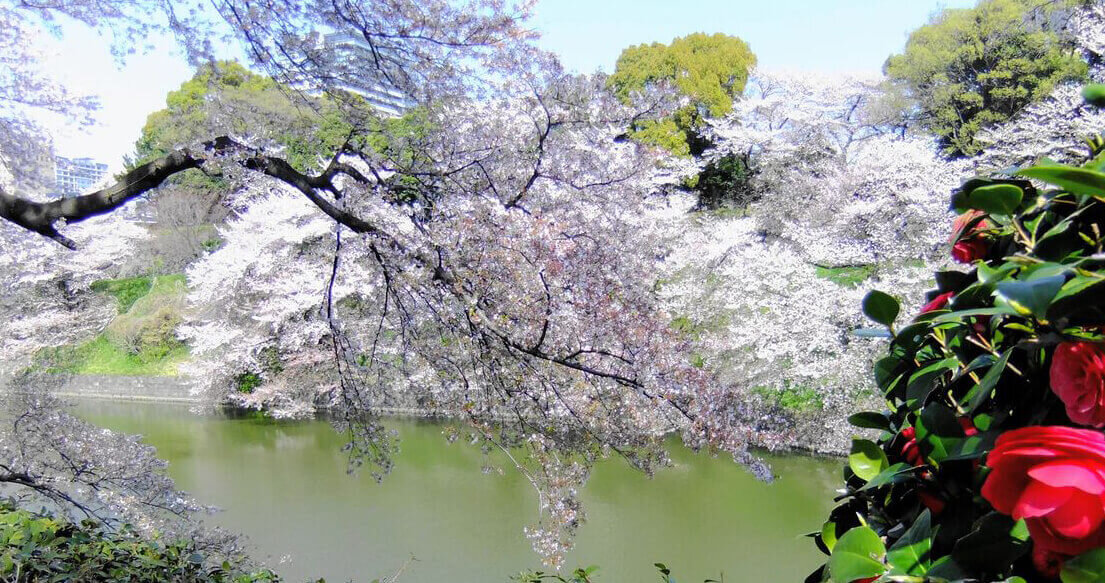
column 35, row 547
column 504, row 252
column 139, row 341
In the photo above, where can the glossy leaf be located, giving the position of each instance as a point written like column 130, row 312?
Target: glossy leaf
column 881, row 307
column 911, row 554
column 1032, row 296
column 867, row 459
column 1094, row 94
column 998, row 199
column 1069, row 178
column 857, row 555
column 1089, row 567
column 870, row 420
column 894, row 474
column 1081, row 301
column 828, row 535
column 991, row 545
column 981, row 392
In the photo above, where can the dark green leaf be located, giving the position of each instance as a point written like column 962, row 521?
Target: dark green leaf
column 922, row 382
column 981, row 392
column 1094, row 94
column 910, row 555
column 870, row 420
column 972, row 447
column 997, row 199
column 946, row 568
column 881, row 307
column 991, row 546
column 1081, row 300
column 1032, row 296
column 886, row 369
column 941, row 421
column 894, row 474
column 959, row 316
column 932, row 445
column 952, row 280
column 1089, row 567
column 911, row 337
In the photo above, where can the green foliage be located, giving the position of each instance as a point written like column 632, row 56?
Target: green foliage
column 40, row 548
column 270, row 363
column 225, row 97
column 957, row 378
column 140, row 341
column 710, row 70
column 881, row 307
column 972, row 68
column 247, row 382
column 126, row 291
column 793, row 398
column 847, row 275
column 694, row 329
column 228, row 98
column 725, row 182
column 857, row 555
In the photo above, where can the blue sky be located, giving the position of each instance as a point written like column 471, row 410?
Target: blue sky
column 816, row 35
column 812, row 35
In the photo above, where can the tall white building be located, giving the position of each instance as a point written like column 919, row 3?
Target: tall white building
column 74, row 176
column 374, row 89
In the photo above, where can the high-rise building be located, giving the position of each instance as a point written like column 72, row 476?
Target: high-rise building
column 372, row 87
column 74, row 176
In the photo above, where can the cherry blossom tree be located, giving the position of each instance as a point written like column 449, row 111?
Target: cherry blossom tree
column 839, row 190
column 489, row 266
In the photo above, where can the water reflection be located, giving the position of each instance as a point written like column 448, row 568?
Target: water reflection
column 284, row 485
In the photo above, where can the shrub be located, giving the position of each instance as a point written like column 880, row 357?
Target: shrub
column 989, row 464
column 126, row 291
column 34, row 547
column 725, row 182
column 148, row 328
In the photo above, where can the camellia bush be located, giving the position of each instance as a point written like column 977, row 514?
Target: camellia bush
column 990, row 464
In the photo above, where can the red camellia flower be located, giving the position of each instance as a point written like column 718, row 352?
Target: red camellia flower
column 1054, row 478
column 969, row 250
column 1078, row 378
column 968, row 246
column 910, row 450
column 1048, row 563
column 938, row 303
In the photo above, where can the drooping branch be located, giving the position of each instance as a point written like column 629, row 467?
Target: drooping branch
column 43, row 217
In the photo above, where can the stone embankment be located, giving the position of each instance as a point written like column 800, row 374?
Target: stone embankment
column 121, row 388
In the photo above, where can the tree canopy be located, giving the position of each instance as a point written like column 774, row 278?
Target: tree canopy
column 709, row 70
column 971, row 68
column 488, row 265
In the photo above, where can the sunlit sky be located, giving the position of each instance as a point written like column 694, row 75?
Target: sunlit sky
column 808, row 35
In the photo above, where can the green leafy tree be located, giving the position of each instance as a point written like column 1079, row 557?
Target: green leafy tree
column 710, row 70
column 227, row 95
column 972, row 68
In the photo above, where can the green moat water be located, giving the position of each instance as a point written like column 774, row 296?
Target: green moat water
column 441, row 519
